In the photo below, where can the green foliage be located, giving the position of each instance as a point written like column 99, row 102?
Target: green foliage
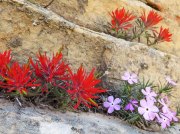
column 127, row 92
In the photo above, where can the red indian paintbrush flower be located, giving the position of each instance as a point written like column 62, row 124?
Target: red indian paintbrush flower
column 152, row 19
column 50, row 71
column 18, row 78
column 82, row 87
column 121, row 19
column 164, row 35
column 5, row 59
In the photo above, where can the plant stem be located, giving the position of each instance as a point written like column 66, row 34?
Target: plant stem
column 155, row 41
column 138, row 35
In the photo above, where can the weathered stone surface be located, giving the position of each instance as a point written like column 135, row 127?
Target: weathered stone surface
column 81, row 45
column 29, row 120
column 94, row 14
column 27, row 28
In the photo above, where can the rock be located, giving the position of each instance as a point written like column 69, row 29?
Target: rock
column 29, row 120
column 15, row 42
column 96, row 15
column 33, row 28
column 101, row 50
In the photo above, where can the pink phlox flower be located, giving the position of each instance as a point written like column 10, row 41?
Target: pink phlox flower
column 164, row 121
column 112, row 104
column 166, row 111
column 131, row 78
column 171, row 115
column 150, row 95
column 165, row 104
column 170, row 81
column 130, row 106
column 148, row 109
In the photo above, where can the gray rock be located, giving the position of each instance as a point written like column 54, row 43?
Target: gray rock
column 32, row 120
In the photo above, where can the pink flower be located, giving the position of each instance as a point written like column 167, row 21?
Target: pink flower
column 171, row 115
column 148, row 109
column 170, row 81
column 164, row 121
column 149, row 94
column 112, row 104
column 164, row 102
column 131, row 78
column 130, row 106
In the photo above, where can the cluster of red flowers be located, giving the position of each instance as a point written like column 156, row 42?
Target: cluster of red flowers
column 122, row 20
column 83, row 87
column 151, row 20
column 20, row 79
column 49, row 70
column 5, row 58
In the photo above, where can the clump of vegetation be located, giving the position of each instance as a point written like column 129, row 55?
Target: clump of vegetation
column 51, row 81
column 48, row 80
column 143, row 103
column 127, row 26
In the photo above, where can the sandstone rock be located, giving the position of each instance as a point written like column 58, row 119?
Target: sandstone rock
column 96, row 15
column 33, row 28
column 101, row 50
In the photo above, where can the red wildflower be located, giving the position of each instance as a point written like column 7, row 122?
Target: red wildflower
column 164, row 35
column 5, row 58
column 50, row 70
column 82, row 87
column 121, row 19
column 152, row 19
column 18, row 78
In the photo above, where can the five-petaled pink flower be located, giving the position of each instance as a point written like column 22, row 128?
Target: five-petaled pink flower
column 166, row 111
column 170, row 81
column 163, row 120
column 112, row 104
column 165, row 103
column 131, row 78
column 171, row 115
column 148, row 109
column 130, row 106
column 150, row 95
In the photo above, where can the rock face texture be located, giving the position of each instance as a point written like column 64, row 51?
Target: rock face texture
column 32, row 28
column 26, row 27
column 94, row 14
column 29, row 120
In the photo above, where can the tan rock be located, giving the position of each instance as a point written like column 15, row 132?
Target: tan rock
column 81, row 45
column 95, row 15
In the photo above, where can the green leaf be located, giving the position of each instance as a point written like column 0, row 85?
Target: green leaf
column 133, row 118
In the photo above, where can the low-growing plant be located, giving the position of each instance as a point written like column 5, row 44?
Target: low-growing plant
column 17, row 78
column 142, row 103
column 48, row 80
column 51, row 74
column 83, row 87
column 130, row 27
column 5, row 59
column 50, row 71
column 51, row 81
